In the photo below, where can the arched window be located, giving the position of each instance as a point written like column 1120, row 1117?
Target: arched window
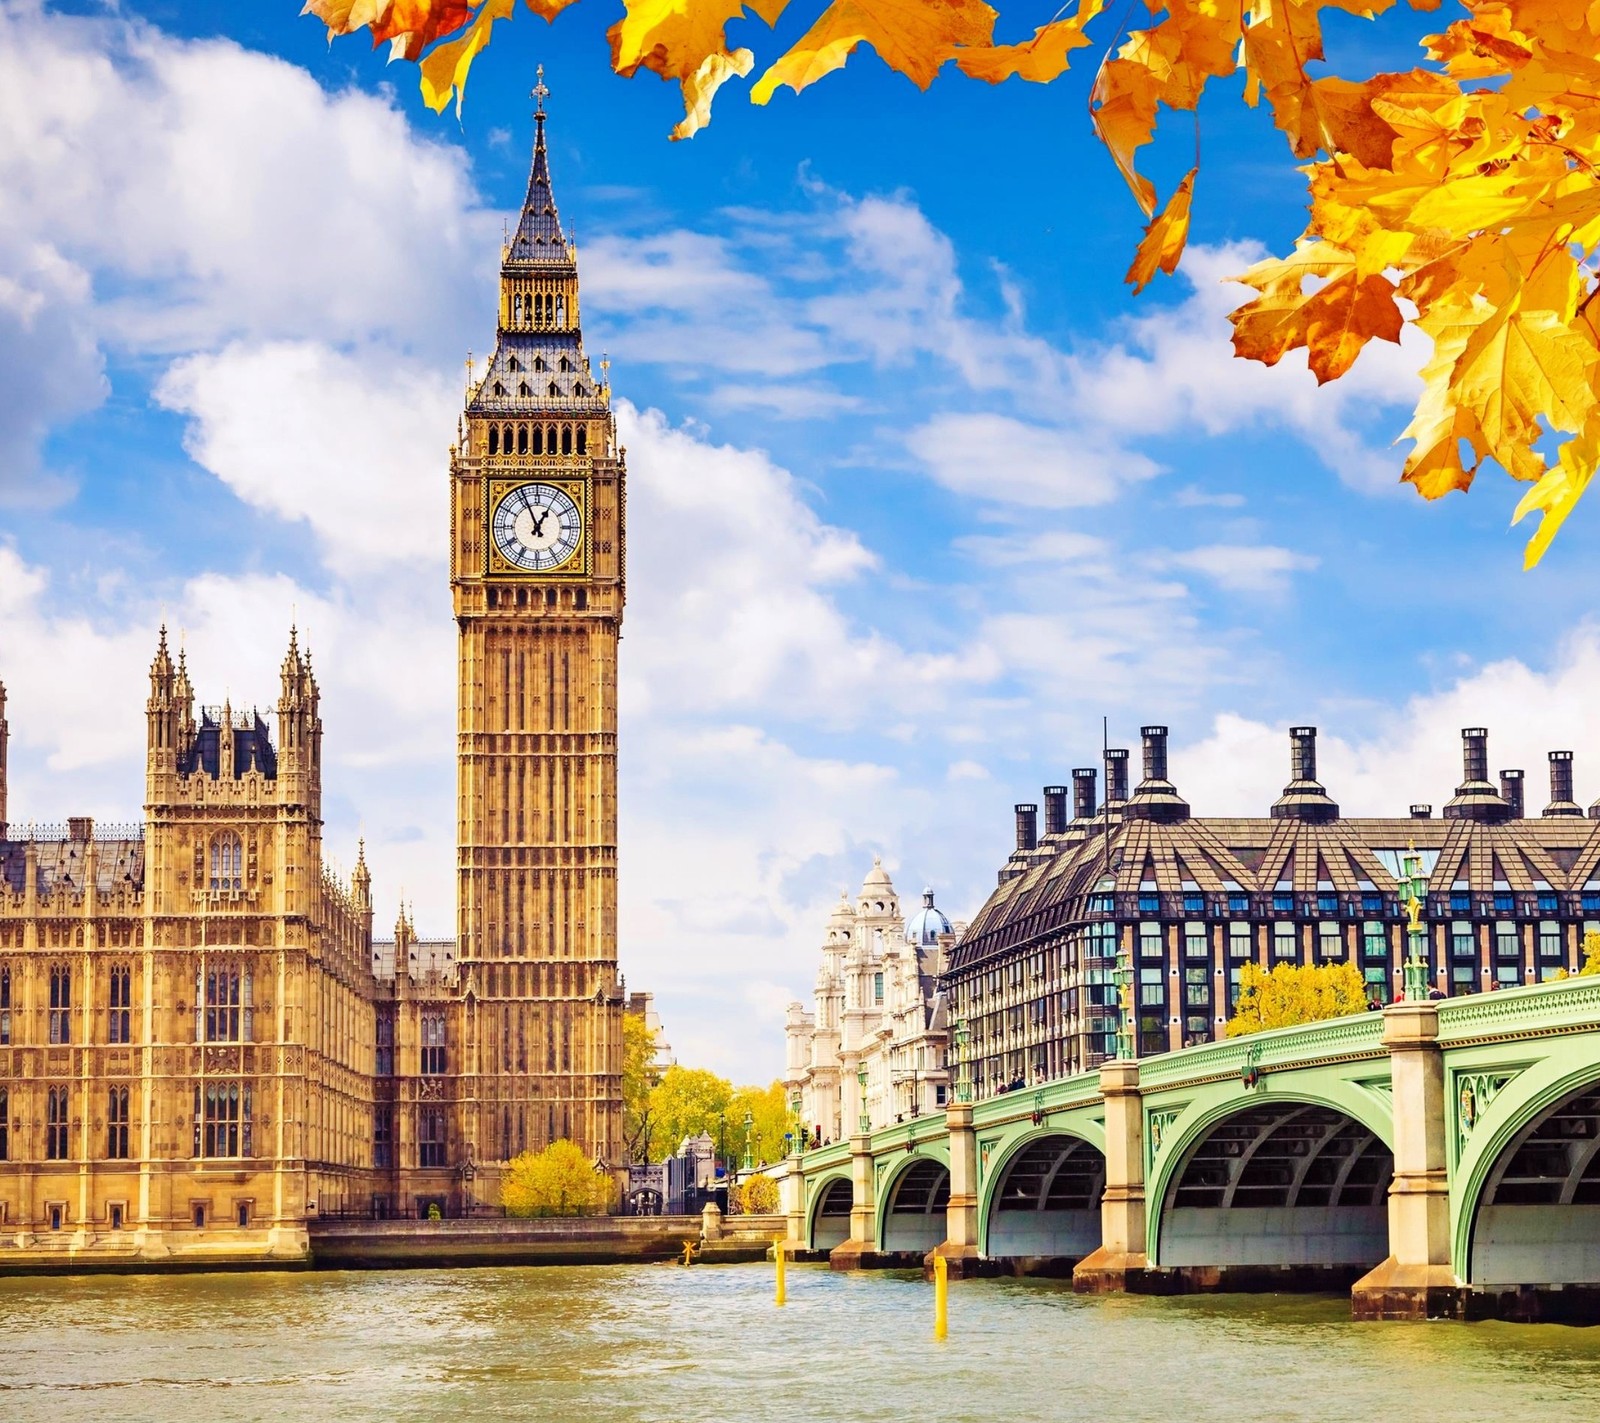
column 430, row 1138
column 583, row 439
column 57, row 1125
column 222, row 1119
column 566, row 365
column 522, row 439
column 550, row 437
column 538, row 363
column 538, row 439
column 505, row 439
column 433, row 1045
column 513, row 364
column 120, row 1005
column 224, row 1003
column 516, row 310
column 499, row 389
column 60, row 1004
column 554, row 389
column 561, row 312
column 117, row 1124
column 5, row 1006
column 578, row 389
column 494, row 439
column 227, row 863
column 566, row 439
column 524, row 389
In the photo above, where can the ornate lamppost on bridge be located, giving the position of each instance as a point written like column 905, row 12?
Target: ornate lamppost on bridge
column 963, row 1074
column 866, row 1116
column 1412, row 886
column 1122, row 976
column 749, row 1163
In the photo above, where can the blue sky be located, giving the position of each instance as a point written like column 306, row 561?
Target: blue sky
column 919, row 491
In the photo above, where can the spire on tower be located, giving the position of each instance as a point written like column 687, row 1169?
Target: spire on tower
column 538, row 237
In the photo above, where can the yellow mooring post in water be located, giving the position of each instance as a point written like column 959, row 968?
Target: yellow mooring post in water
column 941, row 1297
column 781, row 1294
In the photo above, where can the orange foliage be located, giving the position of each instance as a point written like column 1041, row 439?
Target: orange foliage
column 1473, row 204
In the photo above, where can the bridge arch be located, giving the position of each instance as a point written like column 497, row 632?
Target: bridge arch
column 1529, row 1173
column 829, row 1221
column 1041, row 1198
column 911, row 1204
column 1280, row 1179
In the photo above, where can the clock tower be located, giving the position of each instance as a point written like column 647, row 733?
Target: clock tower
column 536, row 572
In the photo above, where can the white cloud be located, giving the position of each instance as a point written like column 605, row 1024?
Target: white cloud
column 998, row 459
column 352, row 444
column 1241, row 568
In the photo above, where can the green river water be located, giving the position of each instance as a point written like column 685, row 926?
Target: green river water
column 667, row 1344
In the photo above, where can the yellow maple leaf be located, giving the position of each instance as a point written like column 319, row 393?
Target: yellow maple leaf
column 914, row 37
column 1038, row 60
column 1162, row 246
column 685, row 40
column 1558, row 491
column 444, row 68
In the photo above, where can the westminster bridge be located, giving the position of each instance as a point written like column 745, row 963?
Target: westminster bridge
column 1443, row 1158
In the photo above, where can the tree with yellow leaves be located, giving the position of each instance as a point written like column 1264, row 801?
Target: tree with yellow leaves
column 1460, row 196
column 757, row 1195
column 560, row 1180
column 1295, row 993
column 1591, row 954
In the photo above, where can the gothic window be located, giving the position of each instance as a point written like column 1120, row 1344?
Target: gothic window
column 561, row 312
column 499, row 389
column 60, row 1004
column 5, row 1004
column 494, row 439
column 583, row 437
column 550, row 433
column 554, row 389
column 513, row 364
column 505, row 439
column 524, row 389
column 566, row 439
column 522, row 439
column 225, row 991
column 385, row 1053
column 566, row 365
column 117, row 1124
column 538, row 439
column 516, row 310
column 120, row 1007
column 433, row 1050
column 430, row 1138
column 223, row 1119
column 227, row 863
column 5, row 1124
column 578, row 389
column 57, row 1124
column 538, row 363
column 383, row 1136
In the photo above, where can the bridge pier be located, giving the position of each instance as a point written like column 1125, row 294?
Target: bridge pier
column 1120, row 1263
column 960, row 1245
column 1416, row 1281
column 859, row 1250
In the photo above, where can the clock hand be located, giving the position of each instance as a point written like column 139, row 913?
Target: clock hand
column 538, row 523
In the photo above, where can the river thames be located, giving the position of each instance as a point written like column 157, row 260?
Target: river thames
column 667, row 1343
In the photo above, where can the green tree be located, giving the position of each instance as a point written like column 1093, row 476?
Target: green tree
column 688, row 1101
column 560, row 1180
column 769, row 1111
column 1291, row 994
column 756, row 1196
column 639, row 1078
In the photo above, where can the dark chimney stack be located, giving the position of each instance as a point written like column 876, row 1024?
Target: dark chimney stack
column 1116, row 775
column 1027, row 827
column 1511, row 792
column 1304, row 797
column 1055, row 810
column 1083, row 797
column 1475, row 797
column 1422, row 812
column 1561, row 801
column 1155, row 752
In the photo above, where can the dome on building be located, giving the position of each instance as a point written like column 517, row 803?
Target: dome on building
column 877, row 877
column 842, row 912
column 925, row 926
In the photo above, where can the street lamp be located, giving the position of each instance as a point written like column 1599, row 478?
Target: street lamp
column 866, row 1117
column 963, row 1076
column 1122, row 976
column 1412, row 886
column 749, row 1164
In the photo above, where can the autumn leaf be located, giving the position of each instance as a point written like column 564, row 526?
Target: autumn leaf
column 1557, row 493
column 912, row 36
column 1164, row 238
column 1038, row 60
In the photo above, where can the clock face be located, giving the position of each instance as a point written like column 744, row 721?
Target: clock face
column 537, row 527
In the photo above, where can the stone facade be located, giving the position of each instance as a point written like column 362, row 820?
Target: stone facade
column 202, row 1046
column 877, row 1009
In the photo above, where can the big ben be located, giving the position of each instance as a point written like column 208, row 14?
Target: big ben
column 537, row 516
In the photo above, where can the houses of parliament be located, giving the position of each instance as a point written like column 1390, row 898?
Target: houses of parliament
column 203, row 1047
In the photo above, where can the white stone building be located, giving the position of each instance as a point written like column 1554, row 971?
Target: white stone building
column 877, row 1008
